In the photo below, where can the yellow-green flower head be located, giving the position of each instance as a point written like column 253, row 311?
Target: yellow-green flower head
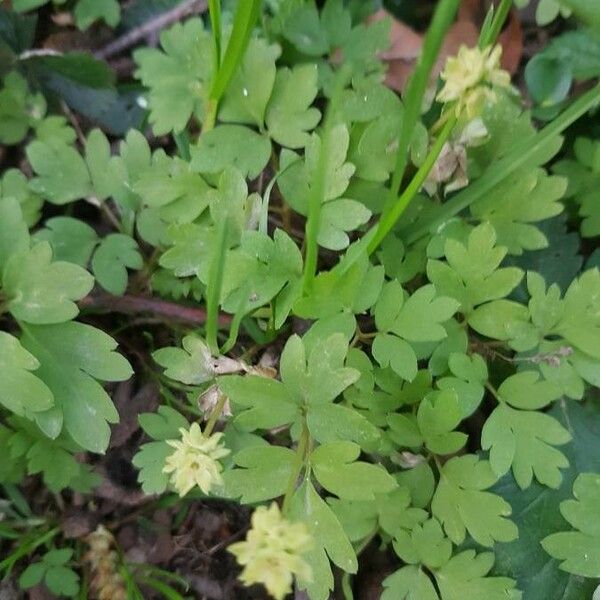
column 469, row 79
column 195, row 460
column 272, row 552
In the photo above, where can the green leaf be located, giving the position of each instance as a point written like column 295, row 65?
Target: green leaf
column 20, row 390
column 265, row 473
column 425, row 544
column 19, row 110
column 88, row 11
column 177, row 76
column 470, row 375
column 114, row 255
column 289, row 115
column 98, row 160
column 461, row 504
column 329, row 537
column 500, row 319
column 14, row 234
column 579, row 550
column 163, row 424
column 471, row 274
column 524, row 440
column 41, row 291
column 62, row 581
column 336, row 469
column 389, row 350
column 466, row 576
column 32, row 575
column 73, row 357
column 248, row 93
column 14, row 184
column 526, row 390
column 409, row 583
column 72, row 240
column 536, row 512
column 422, row 314
column 231, row 145
column 513, row 219
column 439, row 413
column 334, row 422
column 259, row 402
column 150, row 460
column 62, row 175
column 193, row 364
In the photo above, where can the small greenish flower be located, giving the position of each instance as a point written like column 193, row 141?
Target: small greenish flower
column 470, row 78
column 272, row 552
column 195, row 460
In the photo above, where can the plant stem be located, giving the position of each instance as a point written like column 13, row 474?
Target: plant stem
column 387, row 222
column 215, row 415
column 215, row 283
column 297, row 467
column 442, row 19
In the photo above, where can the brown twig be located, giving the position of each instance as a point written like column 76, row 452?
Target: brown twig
column 130, row 304
column 131, row 38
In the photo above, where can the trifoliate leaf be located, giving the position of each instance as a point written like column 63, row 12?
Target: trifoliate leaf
column 41, row 291
column 20, row 390
column 264, row 474
column 525, row 440
column 72, row 240
column 88, row 11
column 335, row 467
column 579, row 550
column 73, row 357
column 289, row 116
column 116, row 253
column 330, row 541
column 62, row 175
column 231, row 145
column 465, row 576
column 461, row 504
column 471, row 273
column 248, row 93
column 425, row 544
column 176, row 75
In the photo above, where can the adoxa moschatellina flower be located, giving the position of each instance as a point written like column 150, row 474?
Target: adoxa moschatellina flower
column 195, row 461
column 470, row 78
column 272, row 552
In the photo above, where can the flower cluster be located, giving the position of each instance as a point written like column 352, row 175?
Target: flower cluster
column 272, row 552
column 195, row 460
column 469, row 79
